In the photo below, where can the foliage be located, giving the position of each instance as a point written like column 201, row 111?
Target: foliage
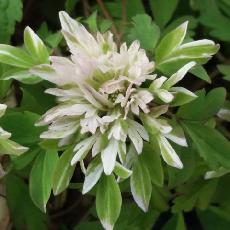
column 137, row 122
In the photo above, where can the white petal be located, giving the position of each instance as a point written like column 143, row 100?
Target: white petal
column 177, row 136
column 139, row 128
column 168, row 153
column 93, row 174
column 136, row 139
column 179, row 75
column 164, row 95
column 157, row 83
column 82, row 148
column 108, row 156
column 197, row 43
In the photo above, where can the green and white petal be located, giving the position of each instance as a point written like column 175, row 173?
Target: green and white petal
column 181, row 96
column 168, row 153
column 177, row 136
column 164, row 95
column 11, row 148
column 122, row 171
column 140, row 184
column 82, row 149
column 178, row 76
column 215, row 174
column 157, row 83
column 4, row 134
column 93, row 174
column 136, row 139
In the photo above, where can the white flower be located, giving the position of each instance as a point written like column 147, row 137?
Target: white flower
column 100, row 94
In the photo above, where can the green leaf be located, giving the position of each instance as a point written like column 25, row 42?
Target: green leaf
column 214, row 218
column 204, row 107
column 160, row 199
column 219, row 27
column 4, row 87
column 41, row 178
column 170, row 42
column 179, row 177
column 151, row 158
column 23, row 76
column 35, row 100
column 22, row 161
column 176, row 222
column 108, row 201
column 201, row 73
column 11, row 12
column 225, row 70
column 206, row 193
column 132, row 217
column 21, row 125
column 70, row 4
column 91, row 21
column 198, row 193
column 182, row 96
column 35, row 46
column 132, row 8
column 23, row 212
column 63, row 172
column 15, row 56
column 105, row 25
column 54, row 39
column 210, row 144
column 121, row 171
column 163, row 10
column 140, row 184
column 144, row 30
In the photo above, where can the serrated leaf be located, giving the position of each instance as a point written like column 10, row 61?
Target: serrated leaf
column 163, row 10
column 63, row 172
column 218, row 28
column 212, row 146
column 204, row 107
column 144, row 30
column 11, row 12
column 21, row 125
column 108, row 201
column 41, row 178
column 140, row 183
